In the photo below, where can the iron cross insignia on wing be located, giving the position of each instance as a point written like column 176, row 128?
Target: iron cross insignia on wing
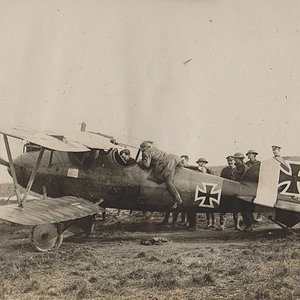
column 208, row 195
column 289, row 179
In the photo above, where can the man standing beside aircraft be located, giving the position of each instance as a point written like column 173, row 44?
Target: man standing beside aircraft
column 229, row 173
column 276, row 150
column 164, row 168
column 252, row 158
column 241, row 168
column 250, row 163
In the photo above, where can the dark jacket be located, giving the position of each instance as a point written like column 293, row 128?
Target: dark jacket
column 240, row 171
column 250, row 163
column 228, row 173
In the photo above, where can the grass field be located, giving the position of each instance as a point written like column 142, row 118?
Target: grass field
column 112, row 264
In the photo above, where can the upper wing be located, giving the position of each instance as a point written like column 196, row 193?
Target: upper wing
column 60, row 141
column 124, row 141
column 50, row 210
column 87, row 139
column 45, row 140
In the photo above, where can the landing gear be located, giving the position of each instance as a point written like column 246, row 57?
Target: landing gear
column 82, row 228
column 46, row 237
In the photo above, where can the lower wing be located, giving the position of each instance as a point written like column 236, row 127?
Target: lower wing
column 50, row 210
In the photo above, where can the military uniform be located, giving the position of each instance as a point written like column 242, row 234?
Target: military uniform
column 239, row 172
column 251, row 163
column 245, row 207
column 164, row 166
column 229, row 173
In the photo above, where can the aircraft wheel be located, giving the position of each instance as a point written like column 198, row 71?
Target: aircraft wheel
column 82, row 228
column 46, row 237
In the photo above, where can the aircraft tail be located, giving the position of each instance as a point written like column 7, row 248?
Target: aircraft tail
column 277, row 181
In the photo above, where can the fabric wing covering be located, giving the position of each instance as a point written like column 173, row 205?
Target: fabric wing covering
column 45, row 140
column 51, row 210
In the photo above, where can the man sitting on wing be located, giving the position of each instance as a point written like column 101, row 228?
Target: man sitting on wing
column 164, row 168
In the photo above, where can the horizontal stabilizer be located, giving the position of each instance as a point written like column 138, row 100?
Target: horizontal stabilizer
column 51, row 210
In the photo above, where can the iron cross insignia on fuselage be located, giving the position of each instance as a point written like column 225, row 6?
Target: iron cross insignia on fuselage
column 208, row 195
column 289, row 179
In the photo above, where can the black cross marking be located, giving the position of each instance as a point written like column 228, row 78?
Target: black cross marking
column 289, row 181
column 208, row 196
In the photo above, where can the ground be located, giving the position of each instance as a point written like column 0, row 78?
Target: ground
column 113, row 264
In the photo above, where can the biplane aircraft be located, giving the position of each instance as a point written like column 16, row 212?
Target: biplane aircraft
column 81, row 173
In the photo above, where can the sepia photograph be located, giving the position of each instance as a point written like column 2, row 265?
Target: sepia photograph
column 150, row 149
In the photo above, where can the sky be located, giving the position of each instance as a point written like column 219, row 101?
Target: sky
column 205, row 78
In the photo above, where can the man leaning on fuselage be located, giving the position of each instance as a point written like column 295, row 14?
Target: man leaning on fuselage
column 164, row 168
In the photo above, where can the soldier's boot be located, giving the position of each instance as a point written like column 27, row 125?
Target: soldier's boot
column 248, row 228
column 213, row 221
column 183, row 218
column 166, row 218
column 248, row 220
column 236, row 222
column 222, row 221
column 258, row 218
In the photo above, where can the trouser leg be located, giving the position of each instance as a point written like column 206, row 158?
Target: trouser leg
column 212, row 219
column 236, row 220
column 222, row 219
column 169, row 182
column 247, row 218
column 175, row 216
column 104, row 216
column 192, row 218
column 166, row 218
column 183, row 217
column 208, row 223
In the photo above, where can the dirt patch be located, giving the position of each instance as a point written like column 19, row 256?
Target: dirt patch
column 112, row 263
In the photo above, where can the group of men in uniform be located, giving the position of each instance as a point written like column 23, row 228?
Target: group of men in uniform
column 164, row 168
column 234, row 171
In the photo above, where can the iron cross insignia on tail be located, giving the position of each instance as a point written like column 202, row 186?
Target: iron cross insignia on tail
column 289, row 179
column 208, row 195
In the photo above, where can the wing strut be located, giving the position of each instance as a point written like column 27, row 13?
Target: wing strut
column 32, row 176
column 21, row 200
column 12, row 169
